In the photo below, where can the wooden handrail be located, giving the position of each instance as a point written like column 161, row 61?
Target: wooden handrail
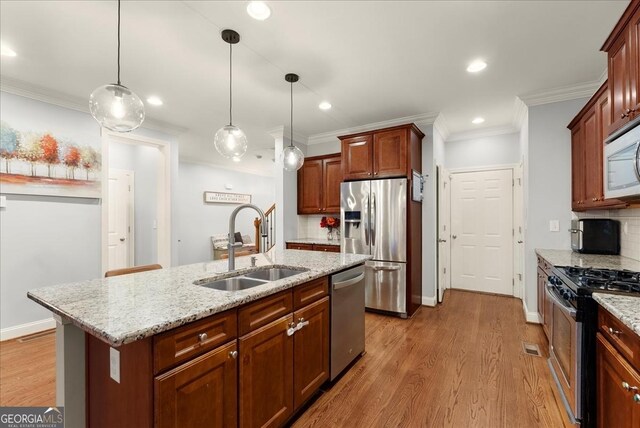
column 257, row 222
column 271, row 208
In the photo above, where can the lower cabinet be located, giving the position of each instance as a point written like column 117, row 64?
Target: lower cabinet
column 200, row 393
column 545, row 305
column 617, row 395
column 313, row 247
column 286, row 361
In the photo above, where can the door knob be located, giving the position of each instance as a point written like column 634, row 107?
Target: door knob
column 121, row 239
column 442, row 240
column 454, row 236
column 520, row 242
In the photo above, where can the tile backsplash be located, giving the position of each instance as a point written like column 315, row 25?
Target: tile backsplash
column 629, row 228
column 309, row 226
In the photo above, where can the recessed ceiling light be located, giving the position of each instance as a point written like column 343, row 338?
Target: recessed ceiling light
column 476, row 66
column 236, row 158
column 325, row 105
column 6, row 51
column 154, row 101
column 477, row 120
column 258, row 10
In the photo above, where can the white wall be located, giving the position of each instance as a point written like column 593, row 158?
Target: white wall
column 199, row 221
column 485, row 151
column 324, row 148
column 143, row 161
column 432, row 154
column 547, row 184
column 48, row 240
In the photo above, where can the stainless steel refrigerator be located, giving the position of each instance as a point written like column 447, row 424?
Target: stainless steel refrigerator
column 373, row 215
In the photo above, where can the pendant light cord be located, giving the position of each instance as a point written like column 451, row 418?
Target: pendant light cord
column 230, row 84
column 291, row 130
column 118, row 42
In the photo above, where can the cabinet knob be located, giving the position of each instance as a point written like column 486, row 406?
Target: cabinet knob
column 636, row 398
column 233, row 354
column 614, row 331
column 368, row 173
column 628, row 387
column 302, row 323
column 202, row 337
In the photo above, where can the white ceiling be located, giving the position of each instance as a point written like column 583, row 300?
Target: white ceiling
column 373, row 61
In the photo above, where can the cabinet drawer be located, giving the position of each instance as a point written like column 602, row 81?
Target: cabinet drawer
column 620, row 336
column 327, row 248
column 262, row 312
column 293, row 246
column 184, row 343
column 310, row 292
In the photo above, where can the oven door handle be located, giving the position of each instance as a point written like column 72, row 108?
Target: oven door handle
column 560, row 302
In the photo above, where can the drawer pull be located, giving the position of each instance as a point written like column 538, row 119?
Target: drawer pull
column 614, row 331
column 292, row 329
column 628, row 387
column 233, row 354
column 301, row 324
column 202, row 337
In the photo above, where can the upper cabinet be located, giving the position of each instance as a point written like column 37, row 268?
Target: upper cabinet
column 382, row 153
column 623, row 61
column 319, row 185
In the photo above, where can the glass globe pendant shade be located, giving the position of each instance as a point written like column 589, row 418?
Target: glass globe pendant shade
column 230, row 142
column 116, row 108
column 292, row 158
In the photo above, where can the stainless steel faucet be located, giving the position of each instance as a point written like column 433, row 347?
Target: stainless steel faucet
column 232, row 231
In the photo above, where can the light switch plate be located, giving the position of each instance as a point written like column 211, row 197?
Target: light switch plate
column 3, row 202
column 554, row 226
column 114, row 364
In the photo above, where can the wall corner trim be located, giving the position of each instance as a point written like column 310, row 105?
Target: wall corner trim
column 531, row 317
column 26, row 329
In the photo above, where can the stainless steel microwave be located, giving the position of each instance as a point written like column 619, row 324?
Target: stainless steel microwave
column 622, row 166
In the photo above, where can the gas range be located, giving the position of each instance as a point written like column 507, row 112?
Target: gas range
column 585, row 281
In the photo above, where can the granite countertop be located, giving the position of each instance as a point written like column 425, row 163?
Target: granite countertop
column 123, row 309
column 317, row 241
column 570, row 258
column 625, row 308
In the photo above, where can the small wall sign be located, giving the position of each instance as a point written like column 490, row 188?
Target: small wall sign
column 226, row 198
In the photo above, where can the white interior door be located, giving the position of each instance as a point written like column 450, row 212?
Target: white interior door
column 518, row 228
column 444, row 234
column 482, row 231
column 120, row 208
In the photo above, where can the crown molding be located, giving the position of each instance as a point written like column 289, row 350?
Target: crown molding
column 482, row 133
column 520, row 111
column 51, row 96
column 564, row 93
column 424, row 119
column 282, row 131
column 234, row 168
column 441, row 125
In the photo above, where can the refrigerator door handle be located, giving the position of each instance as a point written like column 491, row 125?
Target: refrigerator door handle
column 366, row 222
column 373, row 219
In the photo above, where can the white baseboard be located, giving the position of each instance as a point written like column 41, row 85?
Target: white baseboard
column 428, row 301
column 532, row 317
column 25, row 329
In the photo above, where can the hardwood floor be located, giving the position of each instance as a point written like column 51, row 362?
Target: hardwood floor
column 458, row 365
column 28, row 371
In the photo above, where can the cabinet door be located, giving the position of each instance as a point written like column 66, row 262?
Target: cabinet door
column 199, row 393
column 310, row 187
column 332, row 177
column 541, row 284
column 390, row 153
column 634, row 60
column 619, row 82
column 357, row 157
column 577, row 169
column 616, row 404
column 593, row 148
column 266, row 375
column 548, row 314
column 311, row 350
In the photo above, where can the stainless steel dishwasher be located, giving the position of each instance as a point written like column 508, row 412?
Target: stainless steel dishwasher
column 347, row 318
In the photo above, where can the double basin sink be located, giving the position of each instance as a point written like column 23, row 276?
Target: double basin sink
column 251, row 279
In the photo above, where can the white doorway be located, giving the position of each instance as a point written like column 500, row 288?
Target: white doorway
column 518, row 228
column 482, row 230
column 444, row 231
column 121, row 244
column 160, row 204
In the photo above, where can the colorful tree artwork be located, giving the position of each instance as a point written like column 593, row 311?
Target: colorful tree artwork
column 25, row 154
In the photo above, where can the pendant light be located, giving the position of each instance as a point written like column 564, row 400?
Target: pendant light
column 292, row 157
column 115, row 106
column 230, row 141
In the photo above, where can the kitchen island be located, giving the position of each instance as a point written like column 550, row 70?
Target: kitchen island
column 136, row 336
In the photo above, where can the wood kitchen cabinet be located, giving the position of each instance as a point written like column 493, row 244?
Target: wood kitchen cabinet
column 623, row 63
column 319, row 185
column 202, row 392
column 382, row 153
column 545, row 308
column 588, row 131
column 314, row 247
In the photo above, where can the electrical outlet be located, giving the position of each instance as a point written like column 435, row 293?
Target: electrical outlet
column 554, row 226
column 114, row 364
